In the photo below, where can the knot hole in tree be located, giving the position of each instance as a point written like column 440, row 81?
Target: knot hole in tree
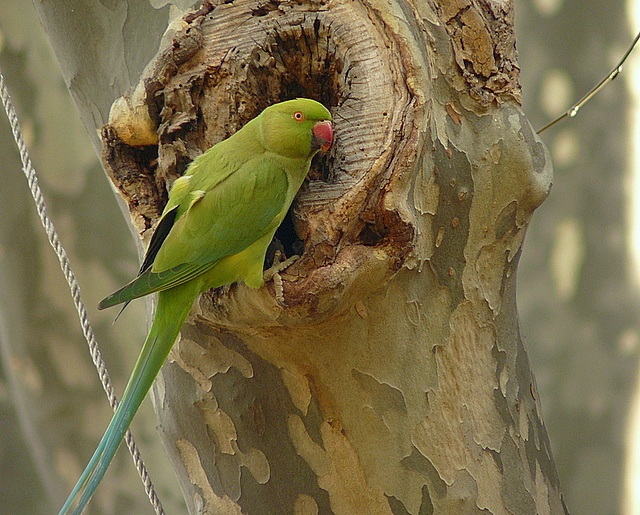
column 218, row 67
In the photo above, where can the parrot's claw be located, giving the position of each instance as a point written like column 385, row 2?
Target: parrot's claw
column 273, row 274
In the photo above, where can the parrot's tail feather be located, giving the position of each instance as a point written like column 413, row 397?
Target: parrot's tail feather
column 121, row 310
column 173, row 308
column 101, row 459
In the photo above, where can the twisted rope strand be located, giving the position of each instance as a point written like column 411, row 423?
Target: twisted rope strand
column 87, row 331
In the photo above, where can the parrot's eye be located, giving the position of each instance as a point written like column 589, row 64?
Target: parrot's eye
column 298, row 116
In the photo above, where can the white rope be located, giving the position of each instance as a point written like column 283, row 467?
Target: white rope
column 52, row 236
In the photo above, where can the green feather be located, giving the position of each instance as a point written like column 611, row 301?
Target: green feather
column 172, row 309
column 215, row 230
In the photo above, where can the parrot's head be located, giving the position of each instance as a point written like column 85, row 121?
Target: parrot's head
column 297, row 128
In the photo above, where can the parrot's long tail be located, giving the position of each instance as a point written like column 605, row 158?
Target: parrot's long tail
column 172, row 309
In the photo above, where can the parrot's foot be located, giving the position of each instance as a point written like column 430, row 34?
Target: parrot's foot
column 273, row 273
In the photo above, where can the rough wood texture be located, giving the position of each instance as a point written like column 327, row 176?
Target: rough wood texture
column 393, row 379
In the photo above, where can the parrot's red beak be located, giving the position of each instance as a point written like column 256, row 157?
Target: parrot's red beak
column 323, row 135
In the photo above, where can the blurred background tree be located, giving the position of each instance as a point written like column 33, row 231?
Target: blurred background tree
column 578, row 295
column 577, row 292
column 50, row 397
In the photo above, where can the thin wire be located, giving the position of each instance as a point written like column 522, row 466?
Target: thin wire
column 573, row 110
column 87, row 331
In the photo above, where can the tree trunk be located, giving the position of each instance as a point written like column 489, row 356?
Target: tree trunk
column 391, row 377
column 386, row 374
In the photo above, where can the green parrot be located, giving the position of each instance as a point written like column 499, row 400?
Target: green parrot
column 215, row 230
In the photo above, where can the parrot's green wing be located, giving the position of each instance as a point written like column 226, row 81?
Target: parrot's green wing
column 218, row 223
column 204, row 173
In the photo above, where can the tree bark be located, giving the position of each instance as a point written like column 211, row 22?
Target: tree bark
column 391, row 377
